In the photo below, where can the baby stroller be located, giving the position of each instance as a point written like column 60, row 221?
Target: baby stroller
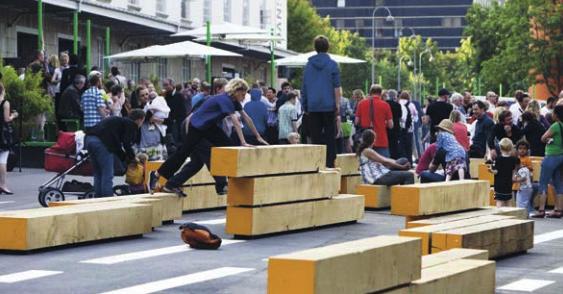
column 64, row 159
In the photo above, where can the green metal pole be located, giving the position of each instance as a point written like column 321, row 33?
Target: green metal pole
column 273, row 62
column 380, row 80
column 208, row 58
column 40, row 25
column 108, row 50
column 500, row 90
column 366, row 85
column 479, row 86
column 88, row 45
column 75, row 33
column 437, row 85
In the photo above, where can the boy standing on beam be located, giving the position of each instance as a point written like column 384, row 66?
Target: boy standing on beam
column 204, row 124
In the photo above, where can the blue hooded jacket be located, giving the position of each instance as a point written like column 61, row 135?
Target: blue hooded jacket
column 257, row 111
column 321, row 77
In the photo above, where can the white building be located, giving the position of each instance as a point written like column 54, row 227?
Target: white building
column 140, row 23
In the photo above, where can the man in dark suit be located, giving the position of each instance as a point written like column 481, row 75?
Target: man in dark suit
column 393, row 134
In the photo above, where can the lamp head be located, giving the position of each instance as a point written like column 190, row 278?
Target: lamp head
column 389, row 18
column 409, row 63
column 431, row 58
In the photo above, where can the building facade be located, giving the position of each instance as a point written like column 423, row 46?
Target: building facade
column 443, row 21
column 136, row 24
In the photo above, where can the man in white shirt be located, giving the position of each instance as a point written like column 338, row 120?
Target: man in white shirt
column 492, row 98
column 517, row 108
column 550, row 104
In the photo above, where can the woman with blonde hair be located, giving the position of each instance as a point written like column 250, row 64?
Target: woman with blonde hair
column 203, row 124
column 460, row 130
column 55, row 76
column 534, row 107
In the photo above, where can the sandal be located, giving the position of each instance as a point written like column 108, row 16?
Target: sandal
column 554, row 214
column 539, row 214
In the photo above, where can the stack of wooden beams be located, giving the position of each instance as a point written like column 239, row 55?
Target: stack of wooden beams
column 281, row 188
column 200, row 189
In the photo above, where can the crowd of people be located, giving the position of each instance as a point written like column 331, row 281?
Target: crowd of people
column 389, row 130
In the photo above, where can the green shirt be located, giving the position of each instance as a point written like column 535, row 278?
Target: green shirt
column 556, row 147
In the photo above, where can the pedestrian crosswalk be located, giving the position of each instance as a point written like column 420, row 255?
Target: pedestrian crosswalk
column 218, row 221
column 27, row 275
column 113, row 259
column 541, row 238
column 179, row 281
column 526, row 285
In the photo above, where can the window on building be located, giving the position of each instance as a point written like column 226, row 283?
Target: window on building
column 245, row 13
column 227, row 10
column 339, row 23
column 186, row 69
column 359, row 23
column 185, row 9
column 100, row 46
column 379, row 2
column 162, row 64
column 264, row 15
column 161, row 6
column 450, row 22
column 341, row 3
column 135, row 2
column 134, row 71
column 207, row 10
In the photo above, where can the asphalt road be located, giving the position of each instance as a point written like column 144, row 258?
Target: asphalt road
column 159, row 261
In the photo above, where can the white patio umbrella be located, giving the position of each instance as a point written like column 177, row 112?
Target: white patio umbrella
column 221, row 29
column 180, row 49
column 301, row 59
column 243, row 37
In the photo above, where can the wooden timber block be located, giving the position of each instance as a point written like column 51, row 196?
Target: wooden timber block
column 348, row 184
column 267, row 160
column 154, row 203
column 492, row 201
column 203, row 177
column 485, row 175
column 169, row 207
column 348, row 164
column 254, row 221
column 453, row 254
column 361, row 266
column 49, row 227
column 202, row 197
column 536, row 165
column 474, row 167
column 462, row 276
column 500, row 238
column 434, row 198
column 518, row 213
column 281, row 189
column 425, row 233
column 376, row 196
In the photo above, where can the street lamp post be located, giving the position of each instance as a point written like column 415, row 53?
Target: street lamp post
column 373, row 27
column 427, row 50
column 399, row 71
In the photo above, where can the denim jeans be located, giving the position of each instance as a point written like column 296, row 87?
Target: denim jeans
column 524, row 198
column 383, row 151
column 430, row 177
column 102, row 162
column 551, row 171
column 395, row 177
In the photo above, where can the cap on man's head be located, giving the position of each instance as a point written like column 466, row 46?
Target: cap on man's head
column 444, row 92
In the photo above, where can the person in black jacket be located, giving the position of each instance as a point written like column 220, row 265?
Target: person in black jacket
column 503, row 129
column 178, row 111
column 113, row 136
column 69, row 106
column 70, row 73
column 393, row 134
column 533, row 129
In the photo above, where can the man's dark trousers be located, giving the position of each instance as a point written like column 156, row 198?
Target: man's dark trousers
column 322, row 126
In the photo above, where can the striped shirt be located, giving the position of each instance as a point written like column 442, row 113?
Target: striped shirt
column 371, row 170
column 92, row 100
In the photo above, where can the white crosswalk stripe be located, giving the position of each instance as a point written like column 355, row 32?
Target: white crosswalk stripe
column 558, row 270
column 27, row 275
column 526, row 285
column 203, row 222
column 541, row 238
column 148, row 253
column 181, row 280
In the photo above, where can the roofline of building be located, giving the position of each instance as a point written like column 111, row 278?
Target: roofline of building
column 120, row 14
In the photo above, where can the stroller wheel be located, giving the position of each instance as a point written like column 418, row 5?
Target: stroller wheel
column 89, row 194
column 50, row 195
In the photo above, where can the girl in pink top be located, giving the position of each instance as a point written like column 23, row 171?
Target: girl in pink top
column 460, row 130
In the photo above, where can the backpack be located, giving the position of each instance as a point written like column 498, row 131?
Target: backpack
column 199, row 237
column 408, row 122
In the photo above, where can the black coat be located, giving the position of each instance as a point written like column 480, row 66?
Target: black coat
column 533, row 132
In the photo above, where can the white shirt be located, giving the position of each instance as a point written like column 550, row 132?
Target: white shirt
column 524, row 173
column 404, row 113
column 544, row 111
column 516, row 112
